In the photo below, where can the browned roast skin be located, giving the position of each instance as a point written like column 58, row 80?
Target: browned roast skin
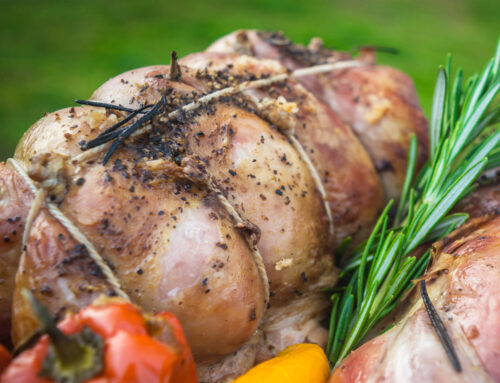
column 484, row 200
column 352, row 185
column 379, row 103
column 381, row 106
column 463, row 286
column 295, row 320
column 243, row 154
column 168, row 240
column 15, row 202
column 58, row 271
column 165, row 234
column 143, row 86
column 252, row 174
column 209, row 284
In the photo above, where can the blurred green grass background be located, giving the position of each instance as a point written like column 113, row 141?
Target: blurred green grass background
column 54, row 51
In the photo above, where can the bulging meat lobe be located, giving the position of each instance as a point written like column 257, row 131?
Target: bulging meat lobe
column 227, row 137
column 175, row 248
column 352, row 186
column 169, row 242
column 257, row 169
column 15, row 202
column 378, row 103
column 244, row 157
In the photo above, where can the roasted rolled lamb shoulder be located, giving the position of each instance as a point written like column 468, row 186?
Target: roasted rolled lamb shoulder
column 377, row 102
column 191, row 189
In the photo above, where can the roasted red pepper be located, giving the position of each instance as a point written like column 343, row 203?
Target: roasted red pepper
column 108, row 342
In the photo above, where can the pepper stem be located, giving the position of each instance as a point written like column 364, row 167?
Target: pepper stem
column 70, row 358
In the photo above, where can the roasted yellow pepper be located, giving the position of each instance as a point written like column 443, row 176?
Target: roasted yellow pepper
column 301, row 363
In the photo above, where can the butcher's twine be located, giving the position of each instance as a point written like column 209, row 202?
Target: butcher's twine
column 41, row 196
column 316, row 177
column 41, row 201
column 257, row 256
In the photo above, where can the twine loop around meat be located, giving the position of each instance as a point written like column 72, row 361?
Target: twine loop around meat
column 40, row 195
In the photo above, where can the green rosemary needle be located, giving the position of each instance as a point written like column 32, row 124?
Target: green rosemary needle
column 464, row 142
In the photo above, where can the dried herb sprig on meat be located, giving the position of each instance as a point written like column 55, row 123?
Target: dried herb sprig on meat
column 438, row 325
column 464, row 142
column 119, row 132
column 119, row 135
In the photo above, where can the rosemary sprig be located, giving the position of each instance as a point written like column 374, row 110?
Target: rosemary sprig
column 464, row 142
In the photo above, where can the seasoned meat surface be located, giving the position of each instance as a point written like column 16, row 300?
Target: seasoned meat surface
column 15, row 202
column 244, row 155
column 226, row 213
column 169, row 242
column 353, row 188
column 378, row 103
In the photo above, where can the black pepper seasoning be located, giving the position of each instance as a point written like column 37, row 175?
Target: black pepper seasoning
column 80, row 181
